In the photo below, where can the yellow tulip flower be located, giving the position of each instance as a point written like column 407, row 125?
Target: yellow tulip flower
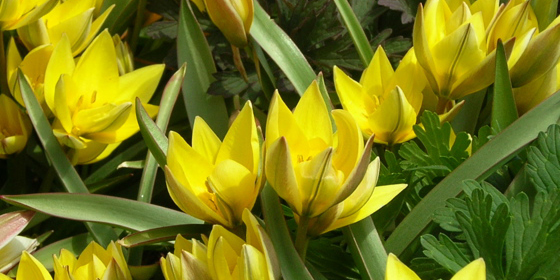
column 75, row 18
column 94, row 262
column 206, row 179
column 18, row 13
column 233, row 17
column 15, row 127
column 451, row 46
column 535, row 51
column 226, row 256
column 91, row 102
column 33, row 66
column 385, row 102
column 312, row 168
column 396, row 270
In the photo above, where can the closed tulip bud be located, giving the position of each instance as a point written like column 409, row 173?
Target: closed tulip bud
column 205, row 179
column 16, row 13
column 396, row 270
column 11, row 244
column 15, row 127
column 232, row 17
column 75, row 18
column 125, row 59
column 91, row 102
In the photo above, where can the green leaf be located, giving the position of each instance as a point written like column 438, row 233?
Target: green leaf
column 280, row 236
column 193, row 49
column 504, row 111
column 356, row 32
column 168, row 99
column 367, row 249
column 440, row 158
column 112, row 165
column 544, row 160
column 121, row 15
column 479, row 166
column 545, row 10
column 64, row 169
column 330, row 259
column 164, row 234
column 444, row 251
column 124, row 213
column 153, row 136
column 533, row 241
column 282, row 50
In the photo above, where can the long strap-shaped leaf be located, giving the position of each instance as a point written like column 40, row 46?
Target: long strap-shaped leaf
column 504, row 111
column 124, row 213
column 168, row 100
column 483, row 163
column 66, row 172
column 367, row 249
column 282, row 50
column 153, row 136
column 356, row 32
column 192, row 48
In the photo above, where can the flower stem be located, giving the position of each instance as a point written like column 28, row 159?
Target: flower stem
column 302, row 240
column 3, row 69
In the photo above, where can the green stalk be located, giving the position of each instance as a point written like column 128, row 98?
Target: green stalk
column 137, row 24
column 302, row 240
column 3, row 68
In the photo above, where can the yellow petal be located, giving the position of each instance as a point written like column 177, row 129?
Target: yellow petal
column 97, row 70
column 353, row 98
column 280, row 173
column 281, row 122
column 92, row 123
column 204, row 140
column 392, row 122
column 62, row 110
column 476, row 270
column 313, row 119
column 227, row 181
column 396, row 270
column 31, row 268
column 252, row 264
column 224, row 248
column 61, row 62
column 539, row 57
column 32, row 15
column 140, row 83
column 411, row 87
column 241, row 142
column 199, row 4
column 34, row 66
column 187, row 165
column 171, row 267
column 193, row 268
column 13, row 61
column 422, row 47
column 76, row 28
column 95, row 27
column 129, row 127
column 190, row 203
column 376, row 76
column 350, row 142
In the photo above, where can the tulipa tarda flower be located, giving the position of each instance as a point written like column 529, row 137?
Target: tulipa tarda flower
column 451, row 46
column 326, row 178
column 75, row 18
column 206, row 179
column 91, row 102
column 94, row 262
column 15, row 127
column 386, row 102
column 396, row 270
column 233, row 17
column 17, row 13
column 30, row 268
column 225, row 256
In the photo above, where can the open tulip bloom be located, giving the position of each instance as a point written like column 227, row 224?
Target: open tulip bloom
column 93, row 105
column 326, row 178
column 206, row 180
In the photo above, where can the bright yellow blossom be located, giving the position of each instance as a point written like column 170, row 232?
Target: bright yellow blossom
column 451, row 46
column 91, row 102
column 233, row 17
column 30, row 268
column 226, row 256
column 75, row 18
column 17, row 13
column 396, row 270
column 206, row 179
column 33, row 66
column 93, row 263
column 313, row 174
column 15, row 127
